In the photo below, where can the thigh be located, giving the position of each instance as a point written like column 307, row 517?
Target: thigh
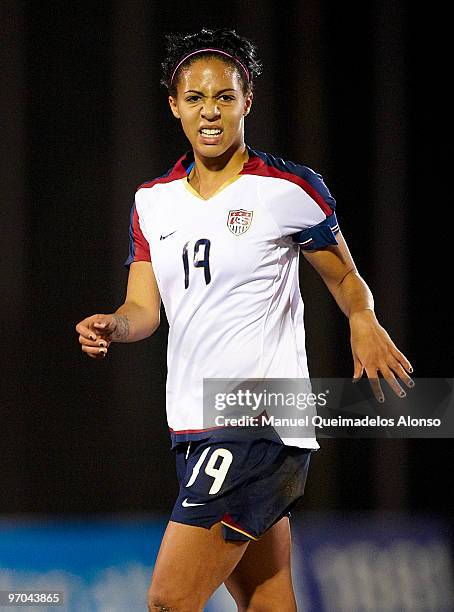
column 192, row 562
column 262, row 580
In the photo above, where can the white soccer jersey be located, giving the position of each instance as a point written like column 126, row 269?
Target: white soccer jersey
column 227, row 271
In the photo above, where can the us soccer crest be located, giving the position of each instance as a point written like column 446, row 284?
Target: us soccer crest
column 239, row 221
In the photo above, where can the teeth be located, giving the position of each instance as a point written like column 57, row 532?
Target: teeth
column 207, row 132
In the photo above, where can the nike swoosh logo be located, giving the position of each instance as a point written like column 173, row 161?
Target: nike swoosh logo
column 187, row 504
column 167, row 235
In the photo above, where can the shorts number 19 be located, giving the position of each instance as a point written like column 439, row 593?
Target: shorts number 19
column 218, row 473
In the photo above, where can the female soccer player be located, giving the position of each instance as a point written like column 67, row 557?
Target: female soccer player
column 216, row 238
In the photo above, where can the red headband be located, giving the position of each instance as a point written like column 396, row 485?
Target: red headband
column 246, row 71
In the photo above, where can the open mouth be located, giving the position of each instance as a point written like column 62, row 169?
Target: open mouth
column 210, row 132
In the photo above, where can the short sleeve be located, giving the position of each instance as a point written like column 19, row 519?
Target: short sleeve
column 301, row 204
column 321, row 234
column 139, row 249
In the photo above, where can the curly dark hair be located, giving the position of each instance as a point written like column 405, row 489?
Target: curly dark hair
column 179, row 45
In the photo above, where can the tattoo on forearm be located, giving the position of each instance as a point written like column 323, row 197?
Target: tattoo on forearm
column 122, row 330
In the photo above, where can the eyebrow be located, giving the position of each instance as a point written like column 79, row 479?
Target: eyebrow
column 201, row 93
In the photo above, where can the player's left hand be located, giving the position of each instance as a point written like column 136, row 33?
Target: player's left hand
column 375, row 352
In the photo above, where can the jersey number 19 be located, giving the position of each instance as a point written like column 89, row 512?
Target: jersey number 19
column 198, row 261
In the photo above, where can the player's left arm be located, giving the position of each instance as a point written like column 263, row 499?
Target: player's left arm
column 372, row 348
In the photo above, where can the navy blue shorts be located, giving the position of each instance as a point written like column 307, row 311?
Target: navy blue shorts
column 248, row 485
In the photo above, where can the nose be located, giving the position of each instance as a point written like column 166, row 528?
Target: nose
column 210, row 110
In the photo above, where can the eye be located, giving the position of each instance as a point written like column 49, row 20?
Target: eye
column 193, row 98
column 226, row 97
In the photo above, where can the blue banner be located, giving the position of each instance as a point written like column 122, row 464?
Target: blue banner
column 340, row 564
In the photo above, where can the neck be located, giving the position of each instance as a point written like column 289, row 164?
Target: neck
column 210, row 169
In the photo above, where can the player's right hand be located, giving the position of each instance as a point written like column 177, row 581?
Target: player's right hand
column 95, row 334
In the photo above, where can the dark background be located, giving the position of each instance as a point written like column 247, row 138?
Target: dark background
column 359, row 94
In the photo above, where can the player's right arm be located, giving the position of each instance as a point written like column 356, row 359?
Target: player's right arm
column 136, row 319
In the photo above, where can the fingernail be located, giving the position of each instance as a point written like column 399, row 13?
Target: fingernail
column 402, row 394
column 411, row 383
column 410, row 369
column 102, row 350
column 103, row 344
column 381, row 399
column 92, row 337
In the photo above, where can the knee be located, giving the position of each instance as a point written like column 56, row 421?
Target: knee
column 159, row 602
column 165, row 601
column 156, row 606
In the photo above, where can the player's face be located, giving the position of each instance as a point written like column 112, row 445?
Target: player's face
column 211, row 106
